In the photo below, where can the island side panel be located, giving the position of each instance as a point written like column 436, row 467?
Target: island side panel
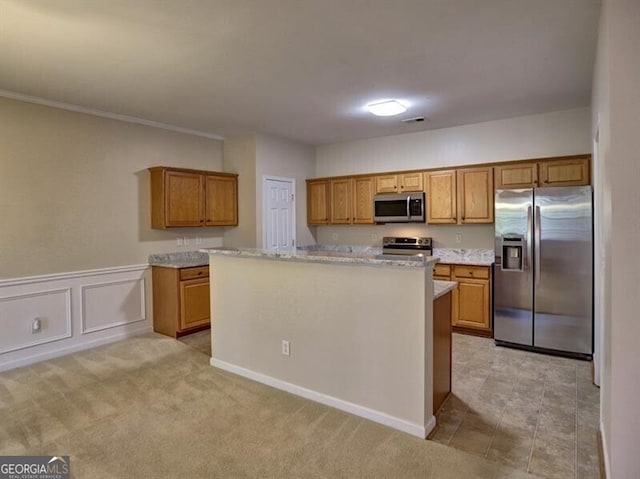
column 356, row 332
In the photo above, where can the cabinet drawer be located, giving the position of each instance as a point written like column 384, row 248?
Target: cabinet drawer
column 442, row 270
column 192, row 273
column 476, row 272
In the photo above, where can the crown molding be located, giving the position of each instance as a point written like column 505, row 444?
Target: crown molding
column 105, row 114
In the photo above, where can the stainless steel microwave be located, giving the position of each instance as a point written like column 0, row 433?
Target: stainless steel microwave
column 399, row 208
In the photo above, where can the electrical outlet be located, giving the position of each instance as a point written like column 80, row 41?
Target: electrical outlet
column 335, row 236
column 198, row 240
column 36, row 326
column 179, row 241
column 458, row 238
column 285, row 348
column 374, row 237
column 186, row 241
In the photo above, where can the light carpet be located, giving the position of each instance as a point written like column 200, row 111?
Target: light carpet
column 153, row 407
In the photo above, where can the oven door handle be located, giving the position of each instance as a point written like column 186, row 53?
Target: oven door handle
column 408, row 207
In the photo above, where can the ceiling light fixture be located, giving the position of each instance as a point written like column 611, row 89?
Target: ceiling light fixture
column 386, row 108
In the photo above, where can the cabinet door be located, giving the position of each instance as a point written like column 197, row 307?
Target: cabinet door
column 386, row 184
column 318, row 202
column 194, row 303
column 221, row 204
column 411, row 182
column 523, row 175
column 441, row 197
column 471, row 304
column 564, row 172
column 363, row 200
column 183, row 199
column 340, row 201
column 475, row 195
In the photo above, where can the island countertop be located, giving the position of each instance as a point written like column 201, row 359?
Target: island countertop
column 329, row 253
column 441, row 288
column 182, row 259
column 328, row 256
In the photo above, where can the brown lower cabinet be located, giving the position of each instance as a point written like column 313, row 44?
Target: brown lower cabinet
column 471, row 310
column 180, row 300
column 441, row 350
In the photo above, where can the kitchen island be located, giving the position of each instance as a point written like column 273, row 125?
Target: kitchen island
column 351, row 330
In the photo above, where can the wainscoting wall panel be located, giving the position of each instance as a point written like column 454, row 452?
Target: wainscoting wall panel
column 49, row 310
column 75, row 311
column 100, row 311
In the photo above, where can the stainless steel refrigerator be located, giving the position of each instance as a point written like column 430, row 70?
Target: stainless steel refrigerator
column 543, row 277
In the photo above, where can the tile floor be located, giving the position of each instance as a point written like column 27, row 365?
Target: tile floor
column 533, row 412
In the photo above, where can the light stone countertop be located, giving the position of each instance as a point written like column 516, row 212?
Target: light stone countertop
column 474, row 257
column 348, row 254
column 442, row 287
column 182, row 259
column 326, row 255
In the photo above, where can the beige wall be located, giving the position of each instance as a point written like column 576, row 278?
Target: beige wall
column 617, row 100
column 347, row 339
column 551, row 134
column 535, row 136
column 74, row 189
column 240, row 158
column 255, row 155
column 444, row 236
column 602, row 168
column 279, row 157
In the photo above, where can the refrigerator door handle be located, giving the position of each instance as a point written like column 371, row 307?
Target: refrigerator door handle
column 537, row 245
column 527, row 264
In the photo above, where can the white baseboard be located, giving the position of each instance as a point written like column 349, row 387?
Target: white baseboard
column 76, row 310
column 361, row 411
column 605, row 454
column 69, row 349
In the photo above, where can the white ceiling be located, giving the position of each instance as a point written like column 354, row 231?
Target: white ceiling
column 302, row 69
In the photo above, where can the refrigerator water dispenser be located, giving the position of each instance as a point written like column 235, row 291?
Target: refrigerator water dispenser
column 512, row 249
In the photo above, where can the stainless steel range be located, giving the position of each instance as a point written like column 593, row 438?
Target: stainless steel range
column 409, row 246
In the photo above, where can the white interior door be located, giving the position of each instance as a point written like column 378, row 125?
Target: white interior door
column 279, row 229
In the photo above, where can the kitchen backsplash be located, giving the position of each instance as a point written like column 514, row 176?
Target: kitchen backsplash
column 444, row 236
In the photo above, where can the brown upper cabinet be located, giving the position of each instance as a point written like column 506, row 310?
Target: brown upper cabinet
column 347, row 200
column 399, row 183
column 475, row 195
column 564, row 172
column 318, row 202
column 521, row 175
column 558, row 172
column 183, row 198
column 461, row 196
column 340, row 201
column 362, row 206
column 441, row 197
